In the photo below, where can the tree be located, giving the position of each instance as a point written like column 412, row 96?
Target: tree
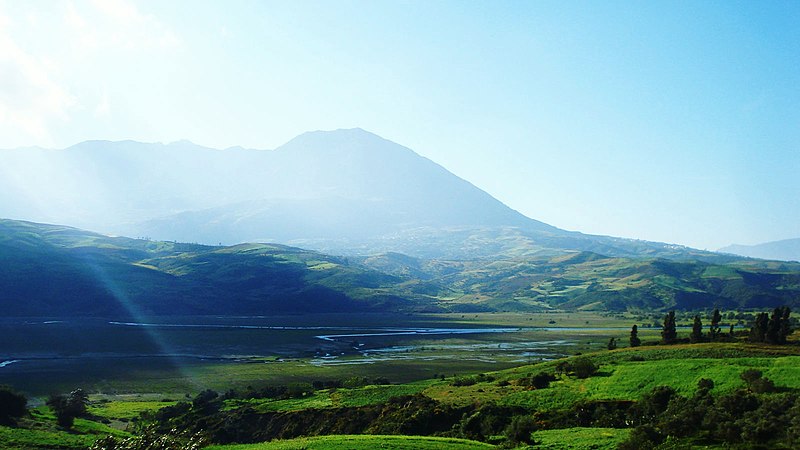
column 68, row 407
column 635, row 341
column 756, row 382
column 774, row 329
column 59, row 405
column 12, row 405
column 773, row 335
column 612, row 344
column 786, row 324
column 583, row 367
column 758, row 332
column 669, row 335
column 779, row 327
column 714, row 330
column 697, row 331
column 78, row 400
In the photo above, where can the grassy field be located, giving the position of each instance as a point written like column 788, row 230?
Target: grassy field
column 361, row 443
column 625, row 374
column 125, row 408
column 40, row 431
column 580, row 438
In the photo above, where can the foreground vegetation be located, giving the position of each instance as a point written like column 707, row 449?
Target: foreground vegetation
column 710, row 389
column 713, row 394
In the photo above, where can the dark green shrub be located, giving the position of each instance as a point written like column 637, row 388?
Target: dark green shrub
column 12, row 405
column 584, row 367
column 521, row 429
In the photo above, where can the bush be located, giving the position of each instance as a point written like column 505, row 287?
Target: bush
column 542, row 380
column 68, row 407
column 756, row 383
column 12, row 405
column 584, row 367
column 643, row 436
column 521, row 429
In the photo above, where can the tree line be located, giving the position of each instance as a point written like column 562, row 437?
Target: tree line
column 770, row 329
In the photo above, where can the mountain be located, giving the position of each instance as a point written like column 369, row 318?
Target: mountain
column 58, row 271
column 785, row 250
column 346, row 192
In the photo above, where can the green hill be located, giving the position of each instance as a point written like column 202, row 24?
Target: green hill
column 51, row 270
column 585, row 280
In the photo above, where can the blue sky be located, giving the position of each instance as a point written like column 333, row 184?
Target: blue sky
column 670, row 121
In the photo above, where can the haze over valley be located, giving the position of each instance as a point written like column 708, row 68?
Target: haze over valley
column 322, row 225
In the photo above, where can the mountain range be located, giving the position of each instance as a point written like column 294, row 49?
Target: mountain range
column 346, row 192
column 784, row 250
column 382, row 229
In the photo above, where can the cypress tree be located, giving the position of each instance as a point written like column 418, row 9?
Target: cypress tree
column 697, row 331
column 786, row 325
column 758, row 332
column 773, row 335
column 635, row 341
column 669, row 335
column 714, row 331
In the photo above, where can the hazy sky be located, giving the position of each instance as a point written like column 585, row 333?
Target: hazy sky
column 669, row 121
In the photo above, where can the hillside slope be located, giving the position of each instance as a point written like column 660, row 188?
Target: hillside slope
column 59, row 271
column 586, row 280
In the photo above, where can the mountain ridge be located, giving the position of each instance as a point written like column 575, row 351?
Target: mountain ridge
column 782, row 250
column 345, row 191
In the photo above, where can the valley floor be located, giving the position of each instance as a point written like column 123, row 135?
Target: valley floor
column 463, row 384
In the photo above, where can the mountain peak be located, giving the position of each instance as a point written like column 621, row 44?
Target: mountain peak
column 349, row 139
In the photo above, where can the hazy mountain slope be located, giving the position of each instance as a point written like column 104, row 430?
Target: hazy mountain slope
column 339, row 190
column 60, row 271
column 343, row 192
column 785, row 250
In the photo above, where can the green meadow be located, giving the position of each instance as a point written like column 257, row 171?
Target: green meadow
column 362, row 442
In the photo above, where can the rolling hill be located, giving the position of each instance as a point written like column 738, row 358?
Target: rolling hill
column 58, row 271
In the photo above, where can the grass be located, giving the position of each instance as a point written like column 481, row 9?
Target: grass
column 39, row 431
column 25, row 439
column 334, row 398
column 371, row 395
column 361, row 442
column 125, row 409
column 580, row 438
